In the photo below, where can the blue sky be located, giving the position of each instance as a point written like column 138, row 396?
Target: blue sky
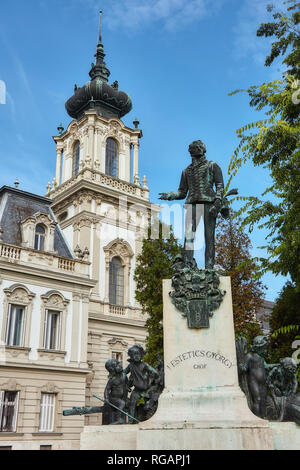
column 177, row 59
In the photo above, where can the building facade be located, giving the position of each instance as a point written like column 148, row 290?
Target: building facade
column 44, row 301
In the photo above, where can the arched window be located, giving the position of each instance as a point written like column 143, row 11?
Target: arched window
column 111, row 158
column 39, row 240
column 116, row 282
column 76, row 157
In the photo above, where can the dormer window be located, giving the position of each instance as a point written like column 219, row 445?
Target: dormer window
column 76, row 158
column 111, row 158
column 38, row 232
column 39, row 240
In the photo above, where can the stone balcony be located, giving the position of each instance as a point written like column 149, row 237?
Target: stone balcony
column 43, row 260
column 102, row 179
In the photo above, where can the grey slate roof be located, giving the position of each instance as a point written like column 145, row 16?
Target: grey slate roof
column 17, row 205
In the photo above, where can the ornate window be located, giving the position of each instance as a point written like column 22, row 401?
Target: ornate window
column 76, row 157
column 17, row 308
column 38, row 232
column 118, row 254
column 111, row 158
column 116, row 282
column 53, row 325
column 39, row 239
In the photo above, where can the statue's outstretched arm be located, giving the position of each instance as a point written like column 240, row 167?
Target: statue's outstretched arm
column 175, row 195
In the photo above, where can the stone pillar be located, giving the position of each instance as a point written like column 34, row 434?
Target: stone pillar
column 127, row 162
column 96, row 255
column 135, row 160
column 106, row 297
column 84, row 327
column 58, row 165
column 102, row 158
column 126, row 283
column 91, row 143
column 75, row 328
column 97, row 149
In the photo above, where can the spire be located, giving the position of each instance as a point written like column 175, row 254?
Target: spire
column 99, row 70
column 100, row 28
column 98, row 94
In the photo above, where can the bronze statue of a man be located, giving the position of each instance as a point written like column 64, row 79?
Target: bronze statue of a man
column 202, row 180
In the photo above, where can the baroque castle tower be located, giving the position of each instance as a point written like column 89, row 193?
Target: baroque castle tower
column 104, row 211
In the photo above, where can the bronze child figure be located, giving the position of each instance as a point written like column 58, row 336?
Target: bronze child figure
column 116, row 390
column 255, row 368
column 140, row 375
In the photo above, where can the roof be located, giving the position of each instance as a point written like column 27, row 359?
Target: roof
column 16, row 206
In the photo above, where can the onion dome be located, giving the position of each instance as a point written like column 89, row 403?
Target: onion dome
column 97, row 94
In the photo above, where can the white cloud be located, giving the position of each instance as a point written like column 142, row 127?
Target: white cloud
column 137, row 14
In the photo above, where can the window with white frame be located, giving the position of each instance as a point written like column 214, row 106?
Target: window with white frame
column 117, row 355
column 8, row 410
column 15, row 325
column 47, row 412
column 52, row 329
column 39, row 239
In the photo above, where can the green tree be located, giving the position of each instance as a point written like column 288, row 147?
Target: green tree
column 233, row 255
column 285, row 312
column 154, row 264
column 274, row 143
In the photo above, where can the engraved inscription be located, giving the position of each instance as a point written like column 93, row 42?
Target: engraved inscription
column 197, row 354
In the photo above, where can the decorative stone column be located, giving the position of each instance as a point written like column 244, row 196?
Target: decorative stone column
column 90, row 153
column 75, row 327
column 58, row 164
column 135, row 160
column 97, row 149
column 126, row 282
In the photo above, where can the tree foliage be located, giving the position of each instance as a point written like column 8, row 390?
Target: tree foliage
column 285, row 322
column 233, row 255
column 154, row 264
column 274, row 143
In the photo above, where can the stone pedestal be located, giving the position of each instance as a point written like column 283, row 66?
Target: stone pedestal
column 202, row 405
column 109, row 437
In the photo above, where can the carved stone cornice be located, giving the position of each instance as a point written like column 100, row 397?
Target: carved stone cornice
column 54, row 299
column 118, row 247
column 19, row 294
column 114, row 341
